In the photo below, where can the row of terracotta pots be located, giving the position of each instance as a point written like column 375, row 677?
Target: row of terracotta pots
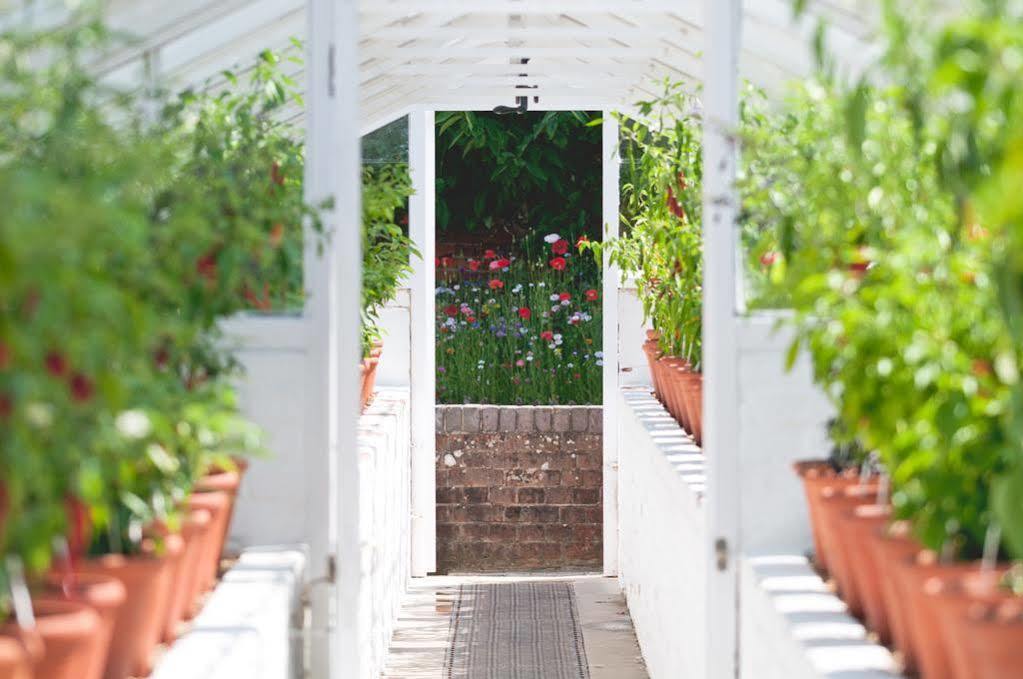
column 944, row 620
column 104, row 617
column 677, row 386
column 368, row 374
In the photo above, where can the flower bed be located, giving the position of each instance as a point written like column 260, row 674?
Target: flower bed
column 519, row 330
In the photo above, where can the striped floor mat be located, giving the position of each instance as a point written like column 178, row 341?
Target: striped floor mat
column 516, row 630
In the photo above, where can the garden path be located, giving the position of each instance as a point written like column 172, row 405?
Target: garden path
column 521, row 644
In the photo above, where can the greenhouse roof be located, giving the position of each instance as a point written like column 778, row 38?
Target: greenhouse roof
column 456, row 54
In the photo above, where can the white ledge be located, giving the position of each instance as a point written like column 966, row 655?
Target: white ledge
column 677, row 447
column 795, row 627
column 245, row 629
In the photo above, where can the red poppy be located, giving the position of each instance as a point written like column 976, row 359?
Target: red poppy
column 474, row 265
column 559, row 247
column 591, row 295
column 436, row 261
column 470, row 319
column 769, row 258
column 451, row 310
column 496, row 284
column 547, row 336
column 445, row 262
column 525, row 314
column 500, row 264
column 565, row 296
column 558, row 263
column 81, row 387
column 56, row 364
column 489, row 254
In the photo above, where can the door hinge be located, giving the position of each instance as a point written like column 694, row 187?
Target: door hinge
column 331, row 575
column 331, row 66
column 721, row 552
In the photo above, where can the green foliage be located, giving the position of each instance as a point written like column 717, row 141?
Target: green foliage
column 387, row 250
column 884, row 217
column 661, row 204
column 536, row 171
column 520, row 330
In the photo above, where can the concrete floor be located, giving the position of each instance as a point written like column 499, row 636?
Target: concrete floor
column 421, row 637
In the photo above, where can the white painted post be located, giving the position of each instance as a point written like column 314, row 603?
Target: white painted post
column 422, row 163
column 610, row 170
column 720, row 390
column 333, row 348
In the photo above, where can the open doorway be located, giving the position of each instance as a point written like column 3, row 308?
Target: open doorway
column 519, row 342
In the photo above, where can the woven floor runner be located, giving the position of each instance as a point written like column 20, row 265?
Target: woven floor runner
column 516, row 630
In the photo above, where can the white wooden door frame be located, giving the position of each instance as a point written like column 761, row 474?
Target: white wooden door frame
column 610, row 168
column 720, row 355
column 423, row 369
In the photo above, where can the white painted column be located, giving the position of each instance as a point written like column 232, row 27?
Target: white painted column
column 423, row 376
column 611, row 279
column 339, row 610
column 720, row 384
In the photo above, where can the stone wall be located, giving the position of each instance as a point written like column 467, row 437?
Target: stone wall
column 519, row 488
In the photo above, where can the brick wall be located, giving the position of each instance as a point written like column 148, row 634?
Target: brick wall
column 519, row 488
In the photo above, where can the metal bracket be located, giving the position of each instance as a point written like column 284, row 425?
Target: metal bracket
column 721, row 552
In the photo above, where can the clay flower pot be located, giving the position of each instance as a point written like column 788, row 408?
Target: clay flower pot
column 816, row 475
column 889, row 546
column 669, row 368
column 860, row 525
column 227, row 483
column 955, row 595
column 105, row 595
column 173, row 553
column 218, row 504
column 138, row 623
column 843, row 554
column 72, row 637
column 928, row 649
column 992, row 636
column 194, row 532
column 20, row 652
column 693, row 388
column 653, row 353
column 369, row 377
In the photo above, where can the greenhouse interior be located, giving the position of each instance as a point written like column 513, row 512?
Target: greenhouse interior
column 511, row 339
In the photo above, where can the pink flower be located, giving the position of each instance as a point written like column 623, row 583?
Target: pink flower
column 489, row 254
column 474, row 265
column 520, row 363
column 496, row 284
column 547, row 336
column 499, row 264
column 558, row 263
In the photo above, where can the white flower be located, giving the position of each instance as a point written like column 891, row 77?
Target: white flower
column 457, row 287
column 565, row 302
column 598, row 354
column 133, row 424
column 599, row 362
column 555, row 297
column 39, row 414
column 517, row 288
column 569, row 365
column 541, row 284
column 552, row 238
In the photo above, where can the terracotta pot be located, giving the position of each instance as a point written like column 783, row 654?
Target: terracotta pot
column 860, row 524
column 992, row 638
column 20, row 652
column 137, row 627
column 105, row 595
column 227, row 483
column 693, row 387
column 842, row 554
column 680, row 378
column 925, row 635
column 370, row 373
column 652, row 353
column 218, row 504
column 816, row 475
column 670, row 367
column 174, row 550
column 15, row 662
column 363, row 376
column 194, row 531
column 889, row 546
column 72, row 637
